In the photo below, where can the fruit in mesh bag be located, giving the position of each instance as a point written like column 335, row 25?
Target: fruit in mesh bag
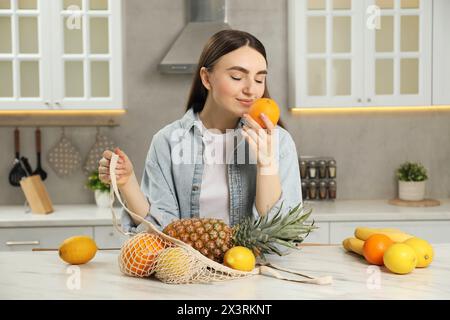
column 174, row 264
column 213, row 237
column 138, row 254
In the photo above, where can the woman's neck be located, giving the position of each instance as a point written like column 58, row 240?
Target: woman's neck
column 214, row 117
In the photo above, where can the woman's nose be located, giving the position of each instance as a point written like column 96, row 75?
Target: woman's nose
column 249, row 88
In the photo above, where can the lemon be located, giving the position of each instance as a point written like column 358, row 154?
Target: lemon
column 423, row 250
column 240, row 258
column 400, row 258
column 77, row 249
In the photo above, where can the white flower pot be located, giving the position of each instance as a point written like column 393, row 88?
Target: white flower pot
column 411, row 190
column 102, row 198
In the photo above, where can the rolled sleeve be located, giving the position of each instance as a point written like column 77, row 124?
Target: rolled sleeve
column 289, row 173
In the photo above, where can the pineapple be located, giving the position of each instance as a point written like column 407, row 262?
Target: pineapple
column 212, row 237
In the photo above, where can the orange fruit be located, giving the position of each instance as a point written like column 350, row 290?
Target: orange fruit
column 139, row 253
column 374, row 248
column 267, row 106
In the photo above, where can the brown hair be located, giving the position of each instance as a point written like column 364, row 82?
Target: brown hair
column 217, row 46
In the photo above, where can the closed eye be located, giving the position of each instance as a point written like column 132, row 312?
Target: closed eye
column 237, row 79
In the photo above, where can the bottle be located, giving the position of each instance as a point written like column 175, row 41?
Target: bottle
column 332, row 189
column 312, row 188
column 312, row 170
column 331, row 169
column 322, row 169
column 322, row 190
column 303, row 169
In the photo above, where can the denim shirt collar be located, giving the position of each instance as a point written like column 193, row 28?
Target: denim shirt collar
column 190, row 119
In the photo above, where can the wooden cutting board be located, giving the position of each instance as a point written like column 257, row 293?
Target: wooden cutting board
column 421, row 203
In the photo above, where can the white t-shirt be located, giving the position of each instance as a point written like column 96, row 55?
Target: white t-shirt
column 214, row 192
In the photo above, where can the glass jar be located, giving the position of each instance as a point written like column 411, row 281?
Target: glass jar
column 322, row 190
column 303, row 169
column 332, row 189
column 312, row 169
column 304, row 190
column 322, row 169
column 331, row 169
column 312, row 190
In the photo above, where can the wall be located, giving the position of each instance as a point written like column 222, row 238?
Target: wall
column 367, row 147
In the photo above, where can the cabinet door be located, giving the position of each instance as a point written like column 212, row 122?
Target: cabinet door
column 25, row 239
column 441, row 52
column 398, row 52
column 108, row 237
column 24, row 82
column 87, row 57
column 325, row 53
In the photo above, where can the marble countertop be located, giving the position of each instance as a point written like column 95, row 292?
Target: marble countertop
column 42, row 275
column 323, row 211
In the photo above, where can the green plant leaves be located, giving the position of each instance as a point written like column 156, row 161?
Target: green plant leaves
column 94, row 182
column 411, row 171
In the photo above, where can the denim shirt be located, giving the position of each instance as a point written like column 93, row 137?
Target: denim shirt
column 172, row 177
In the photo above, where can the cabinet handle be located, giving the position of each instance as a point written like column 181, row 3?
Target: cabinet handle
column 369, row 100
column 359, row 100
column 58, row 104
column 22, row 243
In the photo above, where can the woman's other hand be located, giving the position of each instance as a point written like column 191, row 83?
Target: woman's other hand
column 124, row 169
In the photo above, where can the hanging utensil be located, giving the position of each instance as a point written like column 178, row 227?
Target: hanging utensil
column 26, row 165
column 39, row 169
column 17, row 172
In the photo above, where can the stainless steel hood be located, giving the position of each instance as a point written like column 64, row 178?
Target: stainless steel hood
column 206, row 17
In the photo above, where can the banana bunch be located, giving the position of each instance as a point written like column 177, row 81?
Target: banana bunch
column 355, row 244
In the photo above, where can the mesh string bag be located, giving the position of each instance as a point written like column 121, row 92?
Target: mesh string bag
column 170, row 260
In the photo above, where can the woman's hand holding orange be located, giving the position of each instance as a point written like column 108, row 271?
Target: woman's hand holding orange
column 262, row 141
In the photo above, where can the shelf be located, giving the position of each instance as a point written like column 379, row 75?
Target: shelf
column 61, row 118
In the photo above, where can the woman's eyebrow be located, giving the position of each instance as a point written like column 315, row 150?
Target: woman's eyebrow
column 245, row 70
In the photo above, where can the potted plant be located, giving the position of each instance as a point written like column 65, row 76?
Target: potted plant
column 411, row 181
column 101, row 190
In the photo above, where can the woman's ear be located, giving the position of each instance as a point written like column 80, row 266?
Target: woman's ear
column 204, row 76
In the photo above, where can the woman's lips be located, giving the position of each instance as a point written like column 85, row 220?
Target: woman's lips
column 246, row 103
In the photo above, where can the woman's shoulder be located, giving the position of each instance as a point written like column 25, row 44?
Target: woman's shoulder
column 171, row 134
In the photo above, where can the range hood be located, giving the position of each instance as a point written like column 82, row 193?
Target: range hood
column 205, row 18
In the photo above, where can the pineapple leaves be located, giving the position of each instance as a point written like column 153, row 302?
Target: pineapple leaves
column 285, row 229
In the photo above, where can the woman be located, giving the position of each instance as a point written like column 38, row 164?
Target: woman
column 189, row 171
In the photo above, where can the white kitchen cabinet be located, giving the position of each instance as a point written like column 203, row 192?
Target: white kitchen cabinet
column 60, row 54
column 108, row 237
column 25, row 239
column 355, row 53
column 441, row 52
column 432, row 231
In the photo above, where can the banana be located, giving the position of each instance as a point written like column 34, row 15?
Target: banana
column 390, row 229
column 363, row 233
column 353, row 245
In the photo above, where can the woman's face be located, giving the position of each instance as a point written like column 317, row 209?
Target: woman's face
column 237, row 79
